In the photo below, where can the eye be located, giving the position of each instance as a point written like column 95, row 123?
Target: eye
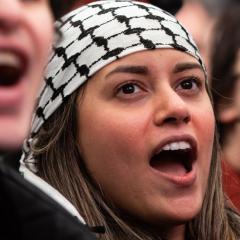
column 190, row 85
column 133, row 90
column 128, row 88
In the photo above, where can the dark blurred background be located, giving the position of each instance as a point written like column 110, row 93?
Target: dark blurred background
column 172, row 6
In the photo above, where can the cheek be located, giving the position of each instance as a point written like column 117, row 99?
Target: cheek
column 110, row 133
column 206, row 124
column 111, row 144
column 40, row 35
column 42, row 31
column 205, row 130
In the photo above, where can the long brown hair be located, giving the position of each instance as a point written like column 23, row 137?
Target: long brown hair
column 60, row 164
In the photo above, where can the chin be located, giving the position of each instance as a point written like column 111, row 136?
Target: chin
column 174, row 219
column 175, row 212
column 182, row 214
column 185, row 216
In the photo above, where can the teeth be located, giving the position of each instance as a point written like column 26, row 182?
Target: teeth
column 9, row 59
column 184, row 145
column 166, row 147
column 176, row 146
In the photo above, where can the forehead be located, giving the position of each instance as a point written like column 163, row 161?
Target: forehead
column 162, row 59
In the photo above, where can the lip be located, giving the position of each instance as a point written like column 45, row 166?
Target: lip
column 11, row 97
column 188, row 178
column 181, row 181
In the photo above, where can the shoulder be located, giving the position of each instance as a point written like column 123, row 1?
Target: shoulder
column 31, row 214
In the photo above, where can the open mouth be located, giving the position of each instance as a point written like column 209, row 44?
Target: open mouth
column 175, row 158
column 12, row 67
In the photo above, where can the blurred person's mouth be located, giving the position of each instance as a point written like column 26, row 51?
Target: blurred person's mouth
column 13, row 67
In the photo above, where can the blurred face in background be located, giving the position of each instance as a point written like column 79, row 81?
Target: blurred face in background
column 195, row 18
column 26, row 34
column 236, row 105
column 237, row 76
column 230, row 115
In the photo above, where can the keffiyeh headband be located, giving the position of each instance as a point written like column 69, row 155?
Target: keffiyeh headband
column 98, row 34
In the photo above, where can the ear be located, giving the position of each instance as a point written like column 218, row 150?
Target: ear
column 228, row 114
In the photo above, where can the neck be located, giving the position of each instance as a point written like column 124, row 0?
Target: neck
column 176, row 233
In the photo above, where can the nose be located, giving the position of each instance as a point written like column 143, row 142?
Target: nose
column 10, row 15
column 172, row 109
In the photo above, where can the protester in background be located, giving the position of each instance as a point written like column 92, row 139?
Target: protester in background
column 199, row 21
column 225, row 63
column 26, row 35
column 23, row 56
column 125, row 128
column 217, row 6
column 24, row 50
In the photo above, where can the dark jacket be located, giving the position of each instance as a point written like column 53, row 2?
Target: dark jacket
column 29, row 214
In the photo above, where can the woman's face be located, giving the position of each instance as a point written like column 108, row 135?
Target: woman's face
column 26, row 34
column 146, row 129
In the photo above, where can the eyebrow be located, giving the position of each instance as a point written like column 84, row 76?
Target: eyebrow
column 141, row 70
column 181, row 67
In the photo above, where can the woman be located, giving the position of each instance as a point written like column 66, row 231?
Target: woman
column 125, row 128
column 226, row 96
